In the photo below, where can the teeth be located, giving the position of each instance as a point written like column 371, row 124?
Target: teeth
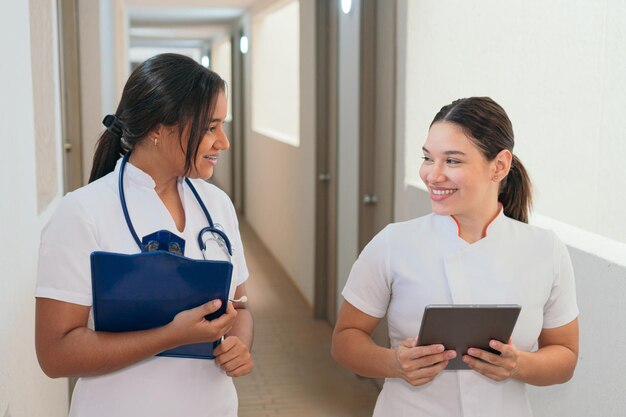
column 443, row 192
column 213, row 158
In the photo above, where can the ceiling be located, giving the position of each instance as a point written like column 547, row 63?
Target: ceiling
column 182, row 21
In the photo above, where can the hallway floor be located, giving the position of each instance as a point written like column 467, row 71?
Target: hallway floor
column 294, row 374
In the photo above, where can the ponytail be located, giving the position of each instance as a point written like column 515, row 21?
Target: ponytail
column 108, row 149
column 515, row 192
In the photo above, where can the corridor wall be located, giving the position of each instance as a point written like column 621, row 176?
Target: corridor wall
column 280, row 177
column 24, row 389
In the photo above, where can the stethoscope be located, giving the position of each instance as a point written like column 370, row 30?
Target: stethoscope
column 216, row 234
column 174, row 243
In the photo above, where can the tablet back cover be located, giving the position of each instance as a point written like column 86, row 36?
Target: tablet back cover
column 461, row 326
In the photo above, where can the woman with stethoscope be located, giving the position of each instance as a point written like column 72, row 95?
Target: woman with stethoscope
column 475, row 248
column 169, row 124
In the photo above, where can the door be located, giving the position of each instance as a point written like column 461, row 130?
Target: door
column 377, row 121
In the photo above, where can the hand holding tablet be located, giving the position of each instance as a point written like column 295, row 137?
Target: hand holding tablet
column 461, row 326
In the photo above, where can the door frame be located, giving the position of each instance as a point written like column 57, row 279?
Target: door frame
column 326, row 33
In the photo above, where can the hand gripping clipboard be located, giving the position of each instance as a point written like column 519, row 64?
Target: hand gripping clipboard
column 146, row 290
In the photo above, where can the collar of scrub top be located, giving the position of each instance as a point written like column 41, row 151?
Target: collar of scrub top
column 158, row 239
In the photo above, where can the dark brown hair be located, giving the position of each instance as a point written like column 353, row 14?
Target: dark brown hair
column 487, row 125
column 168, row 89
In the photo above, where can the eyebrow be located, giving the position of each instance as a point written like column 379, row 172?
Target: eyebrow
column 446, row 152
column 214, row 120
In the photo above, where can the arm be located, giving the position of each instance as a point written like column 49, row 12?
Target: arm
column 553, row 363
column 233, row 354
column 354, row 348
column 67, row 347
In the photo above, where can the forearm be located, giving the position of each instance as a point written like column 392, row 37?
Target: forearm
column 243, row 327
column 355, row 350
column 84, row 352
column 549, row 365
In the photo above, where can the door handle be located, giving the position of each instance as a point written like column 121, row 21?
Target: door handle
column 370, row 199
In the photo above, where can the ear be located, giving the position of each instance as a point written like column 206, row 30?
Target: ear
column 501, row 165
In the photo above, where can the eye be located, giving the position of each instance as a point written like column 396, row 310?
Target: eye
column 212, row 128
column 451, row 161
column 427, row 159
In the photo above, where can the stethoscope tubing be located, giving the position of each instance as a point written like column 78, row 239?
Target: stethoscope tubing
column 209, row 229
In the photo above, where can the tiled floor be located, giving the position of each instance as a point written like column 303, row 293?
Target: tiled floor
column 294, row 374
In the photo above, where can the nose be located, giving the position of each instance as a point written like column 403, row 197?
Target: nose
column 436, row 174
column 222, row 143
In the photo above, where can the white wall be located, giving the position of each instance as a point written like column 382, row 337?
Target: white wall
column 558, row 69
column 348, row 58
column 24, row 389
column 597, row 388
column 280, row 178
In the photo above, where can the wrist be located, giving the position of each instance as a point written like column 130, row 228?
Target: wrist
column 392, row 363
column 518, row 372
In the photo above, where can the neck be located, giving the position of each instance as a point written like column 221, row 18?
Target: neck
column 149, row 161
column 472, row 228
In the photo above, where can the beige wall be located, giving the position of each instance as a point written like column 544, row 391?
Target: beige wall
column 41, row 41
column 24, row 389
column 280, row 178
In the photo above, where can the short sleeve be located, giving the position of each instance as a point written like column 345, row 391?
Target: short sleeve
column 369, row 284
column 67, row 241
column 561, row 307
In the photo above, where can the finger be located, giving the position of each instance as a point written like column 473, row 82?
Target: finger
column 227, row 344
column 224, row 356
column 506, row 349
column 233, row 358
column 227, row 318
column 429, row 372
column 207, row 308
column 485, row 356
column 242, row 370
column 490, row 371
column 430, row 360
column 420, row 351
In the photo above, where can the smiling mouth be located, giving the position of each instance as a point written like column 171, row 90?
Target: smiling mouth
column 443, row 192
column 211, row 157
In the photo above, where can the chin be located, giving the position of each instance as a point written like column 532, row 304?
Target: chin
column 441, row 210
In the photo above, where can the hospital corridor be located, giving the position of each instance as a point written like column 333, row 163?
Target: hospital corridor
column 323, row 113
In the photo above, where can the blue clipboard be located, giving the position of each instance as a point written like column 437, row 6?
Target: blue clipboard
column 146, row 290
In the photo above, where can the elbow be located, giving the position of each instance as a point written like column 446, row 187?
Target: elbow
column 335, row 351
column 48, row 368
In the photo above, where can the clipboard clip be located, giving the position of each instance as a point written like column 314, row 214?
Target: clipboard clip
column 163, row 240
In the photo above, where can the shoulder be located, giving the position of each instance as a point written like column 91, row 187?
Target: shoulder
column 89, row 201
column 530, row 234
column 408, row 228
column 210, row 192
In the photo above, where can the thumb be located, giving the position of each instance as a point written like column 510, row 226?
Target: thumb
column 210, row 307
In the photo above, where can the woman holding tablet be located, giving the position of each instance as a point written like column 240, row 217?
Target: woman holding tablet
column 475, row 248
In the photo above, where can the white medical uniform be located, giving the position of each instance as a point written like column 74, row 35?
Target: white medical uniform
column 91, row 219
column 423, row 261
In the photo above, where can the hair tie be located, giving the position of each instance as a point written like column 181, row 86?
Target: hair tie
column 113, row 125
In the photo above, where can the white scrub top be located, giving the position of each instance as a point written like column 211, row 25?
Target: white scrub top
column 423, row 261
column 91, row 219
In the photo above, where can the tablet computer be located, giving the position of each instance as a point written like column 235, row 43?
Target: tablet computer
column 461, row 326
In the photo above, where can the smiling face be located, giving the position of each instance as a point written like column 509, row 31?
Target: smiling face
column 459, row 178
column 213, row 142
